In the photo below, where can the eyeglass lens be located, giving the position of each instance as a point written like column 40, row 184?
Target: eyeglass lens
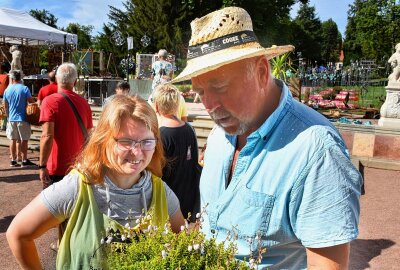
column 145, row 145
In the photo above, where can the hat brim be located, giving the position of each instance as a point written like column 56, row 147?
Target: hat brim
column 215, row 60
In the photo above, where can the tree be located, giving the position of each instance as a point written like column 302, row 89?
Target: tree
column 271, row 19
column 372, row 29
column 331, row 42
column 168, row 22
column 83, row 32
column 160, row 20
column 44, row 16
column 307, row 33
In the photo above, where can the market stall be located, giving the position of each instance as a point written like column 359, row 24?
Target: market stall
column 18, row 28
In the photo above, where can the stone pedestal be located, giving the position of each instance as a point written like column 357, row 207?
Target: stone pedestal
column 390, row 110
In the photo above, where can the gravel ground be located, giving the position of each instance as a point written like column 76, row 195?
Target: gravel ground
column 377, row 247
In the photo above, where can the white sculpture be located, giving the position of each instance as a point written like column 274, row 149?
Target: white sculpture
column 16, row 58
column 394, row 61
column 390, row 110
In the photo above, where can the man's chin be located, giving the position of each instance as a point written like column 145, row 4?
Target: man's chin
column 232, row 130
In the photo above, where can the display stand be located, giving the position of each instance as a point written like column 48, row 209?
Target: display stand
column 98, row 89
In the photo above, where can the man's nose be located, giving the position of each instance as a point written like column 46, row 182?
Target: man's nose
column 210, row 101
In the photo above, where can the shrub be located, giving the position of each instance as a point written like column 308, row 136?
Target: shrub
column 159, row 248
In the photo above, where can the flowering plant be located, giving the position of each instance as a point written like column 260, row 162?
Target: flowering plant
column 156, row 248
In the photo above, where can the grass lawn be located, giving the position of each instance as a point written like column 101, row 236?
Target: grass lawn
column 372, row 97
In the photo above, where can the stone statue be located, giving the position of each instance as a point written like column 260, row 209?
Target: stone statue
column 390, row 110
column 394, row 61
column 16, row 58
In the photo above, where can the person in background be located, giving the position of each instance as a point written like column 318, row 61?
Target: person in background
column 275, row 171
column 162, row 71
column 49, row 89
column 182, row 172
column 16, row 97
column 122, row 88
column 4, row 82
column 62, row 139
column 62, row 136
column 115, row 178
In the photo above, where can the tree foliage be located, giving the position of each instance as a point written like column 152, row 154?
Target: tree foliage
column 331, row 42
column 372, row 29
column 167, row 22
column 307, row 31
column 84, row 33
column 44, row 16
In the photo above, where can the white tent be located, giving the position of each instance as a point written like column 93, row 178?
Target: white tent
column 17, row 27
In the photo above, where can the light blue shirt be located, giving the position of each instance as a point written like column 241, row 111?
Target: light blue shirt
column 17, row 95
column 293, row 184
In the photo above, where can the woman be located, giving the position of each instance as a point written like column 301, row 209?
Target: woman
column 114, row 179
column 182, row 172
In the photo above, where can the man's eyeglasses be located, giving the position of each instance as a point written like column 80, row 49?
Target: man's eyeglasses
column 127, row 144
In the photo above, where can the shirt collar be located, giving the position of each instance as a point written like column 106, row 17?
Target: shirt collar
column 284, row 103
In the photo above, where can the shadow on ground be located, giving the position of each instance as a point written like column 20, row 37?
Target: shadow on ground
column 364, row 250
column 20, row 178
column 5, row 222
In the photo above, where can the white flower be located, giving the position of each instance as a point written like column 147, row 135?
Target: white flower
column 190, row 248
column 102, row 241
column 138, row 220
column 109, row 239
column 202, row 249
column 182, row 228
column 127, row 225
column 196, row 246
column 123, row 238
column 163, row 254
column 198, row 215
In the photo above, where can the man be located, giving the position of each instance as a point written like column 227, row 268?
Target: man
column 16, row 97
column 276, row 172
column 122, row 88
column 62, row 138
column 49, row 89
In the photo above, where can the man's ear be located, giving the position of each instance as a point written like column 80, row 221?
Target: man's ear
column 263, row 70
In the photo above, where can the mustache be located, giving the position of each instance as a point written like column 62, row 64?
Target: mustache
column 219, row 114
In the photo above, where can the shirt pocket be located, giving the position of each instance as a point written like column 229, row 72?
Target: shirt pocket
column 253, row 211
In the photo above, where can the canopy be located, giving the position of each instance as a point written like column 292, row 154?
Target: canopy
column 17, row 27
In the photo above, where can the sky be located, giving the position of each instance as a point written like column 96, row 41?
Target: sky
column 84, row 12
column 329, row 9
column 94, row 12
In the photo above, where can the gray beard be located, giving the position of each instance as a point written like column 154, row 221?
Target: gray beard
column 243, row 127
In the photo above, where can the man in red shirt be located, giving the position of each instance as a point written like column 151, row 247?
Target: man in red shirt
column 49, row 89
column 62, row 137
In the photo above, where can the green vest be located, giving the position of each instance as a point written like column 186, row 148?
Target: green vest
column 80, row 247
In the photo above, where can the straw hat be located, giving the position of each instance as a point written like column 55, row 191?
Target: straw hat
column 222, row 37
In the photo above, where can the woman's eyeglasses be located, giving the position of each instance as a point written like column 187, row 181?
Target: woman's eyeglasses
column 127, row 144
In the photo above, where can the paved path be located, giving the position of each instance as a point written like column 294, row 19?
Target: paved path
column 378, row 245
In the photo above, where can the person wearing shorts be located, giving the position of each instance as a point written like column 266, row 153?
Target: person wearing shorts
column 16, row 97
